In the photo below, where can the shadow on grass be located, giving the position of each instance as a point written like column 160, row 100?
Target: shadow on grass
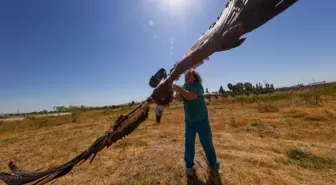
column 212, row 180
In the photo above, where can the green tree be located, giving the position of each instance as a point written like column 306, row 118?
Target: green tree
column 230, row 86
column 221, row 90
column 248, row 87
column 61, row 109
column 261, row 86
column 131, row 103
column 83, row 108
column 240, row 87
column 234, row 88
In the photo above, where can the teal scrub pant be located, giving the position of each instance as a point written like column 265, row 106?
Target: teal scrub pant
column 204, row 133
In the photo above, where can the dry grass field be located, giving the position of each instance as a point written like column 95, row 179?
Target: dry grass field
column 284, row 138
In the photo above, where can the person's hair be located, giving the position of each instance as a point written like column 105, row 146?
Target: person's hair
column 198, row 78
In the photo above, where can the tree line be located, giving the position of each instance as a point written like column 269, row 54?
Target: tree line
column 86, row 108
column 246, row 88
column 82, row 108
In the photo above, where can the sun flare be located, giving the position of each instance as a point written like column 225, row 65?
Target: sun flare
column 176, row 6
column 176, row 2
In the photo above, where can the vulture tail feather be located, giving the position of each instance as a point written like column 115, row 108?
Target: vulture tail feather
column 121, row 128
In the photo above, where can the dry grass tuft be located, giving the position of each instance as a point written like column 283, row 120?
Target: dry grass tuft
column 266, row 107
column 307, row 160
column 310, row 97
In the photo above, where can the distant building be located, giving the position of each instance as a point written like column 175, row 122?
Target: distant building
column 317, row 83
column 310, row 85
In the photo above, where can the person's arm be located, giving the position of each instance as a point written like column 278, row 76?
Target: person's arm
column 185, row 94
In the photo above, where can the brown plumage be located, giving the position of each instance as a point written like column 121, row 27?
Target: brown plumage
column 238, row 18
column 121, row 128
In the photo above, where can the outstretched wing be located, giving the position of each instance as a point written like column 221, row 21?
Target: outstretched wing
column 121, row 128
column 238, row 18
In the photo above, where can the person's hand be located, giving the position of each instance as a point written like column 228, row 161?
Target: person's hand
column 175, row 87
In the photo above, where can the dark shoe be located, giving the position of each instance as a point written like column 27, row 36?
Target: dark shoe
column 190, row 172
column 214, row 177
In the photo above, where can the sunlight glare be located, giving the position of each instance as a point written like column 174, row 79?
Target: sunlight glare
column 176, row 7
column 174, row 3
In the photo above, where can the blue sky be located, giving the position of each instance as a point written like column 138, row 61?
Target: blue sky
column 81, row 52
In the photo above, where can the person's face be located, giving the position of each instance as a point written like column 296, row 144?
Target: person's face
column 189, row 78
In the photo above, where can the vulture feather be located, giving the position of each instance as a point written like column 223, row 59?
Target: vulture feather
column 121, row 128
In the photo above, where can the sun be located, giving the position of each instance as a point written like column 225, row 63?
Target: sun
column 176, row 6
column 173, row 8
column 174, row 3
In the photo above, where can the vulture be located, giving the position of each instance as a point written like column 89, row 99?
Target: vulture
column 238, row 18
